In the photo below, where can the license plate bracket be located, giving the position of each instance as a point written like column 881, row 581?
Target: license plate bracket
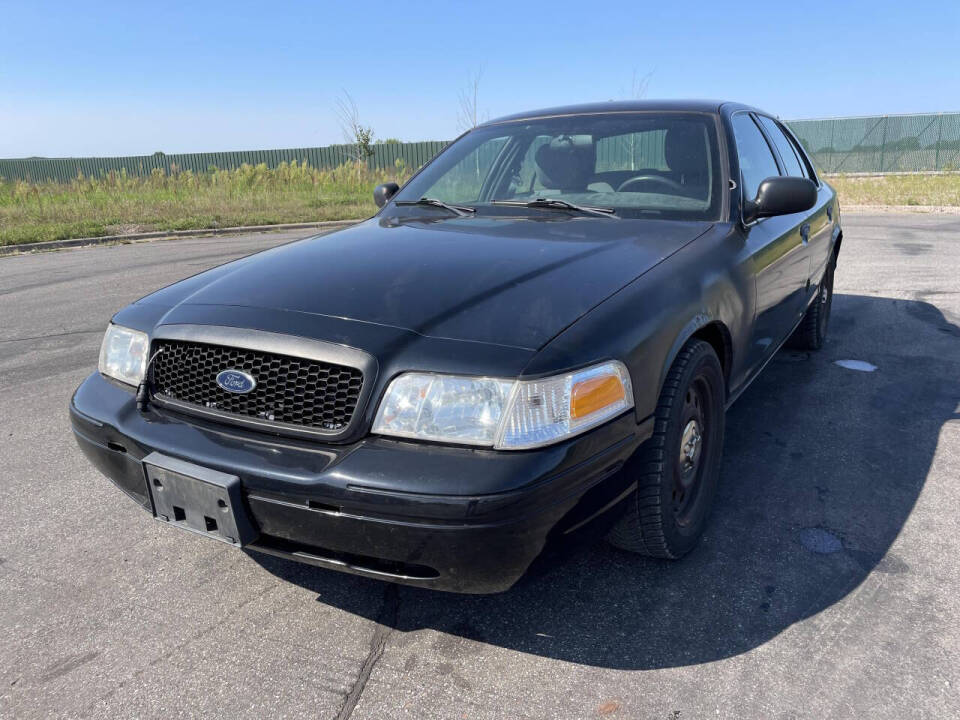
column 198, row 499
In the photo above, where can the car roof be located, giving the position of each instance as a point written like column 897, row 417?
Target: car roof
column 614, row 106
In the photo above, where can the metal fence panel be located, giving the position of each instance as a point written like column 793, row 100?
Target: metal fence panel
column 883, row 143
column 385, row 156
column 872, row 144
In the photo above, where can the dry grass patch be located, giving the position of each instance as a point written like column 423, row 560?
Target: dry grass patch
column 257, row 195
column 119, row 204
column 939, row 190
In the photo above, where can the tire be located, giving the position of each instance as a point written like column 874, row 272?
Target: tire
column 666, row 514
column 812, row 331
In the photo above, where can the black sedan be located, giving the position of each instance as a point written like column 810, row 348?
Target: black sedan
column 539, row 333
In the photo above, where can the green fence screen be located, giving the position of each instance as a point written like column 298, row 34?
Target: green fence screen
column 872, row 144
column 385, row 155
column 883, row 143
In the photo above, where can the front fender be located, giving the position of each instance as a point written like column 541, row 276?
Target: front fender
column 646, row 323
column 722, row 343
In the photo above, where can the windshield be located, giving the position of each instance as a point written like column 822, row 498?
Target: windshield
column 661, row 165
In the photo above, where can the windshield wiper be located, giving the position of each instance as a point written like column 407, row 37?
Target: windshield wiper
column 459, row 210
column 558, row 204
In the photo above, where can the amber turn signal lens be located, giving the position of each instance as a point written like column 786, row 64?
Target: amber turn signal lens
column 594, row 394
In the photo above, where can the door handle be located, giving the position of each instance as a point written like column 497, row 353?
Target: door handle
column 805, row 233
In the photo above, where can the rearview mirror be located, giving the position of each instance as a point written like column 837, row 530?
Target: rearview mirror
column 383, row 193
column 780, row 196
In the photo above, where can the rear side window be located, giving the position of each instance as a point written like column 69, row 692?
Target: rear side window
column 805, row 163
column 784, row 147
column 756, row 159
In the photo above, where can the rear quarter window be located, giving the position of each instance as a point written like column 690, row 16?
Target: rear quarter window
column 784, row 147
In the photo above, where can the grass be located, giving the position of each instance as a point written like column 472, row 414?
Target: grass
column 250, row 195
column 256, row 195
column 940, row 190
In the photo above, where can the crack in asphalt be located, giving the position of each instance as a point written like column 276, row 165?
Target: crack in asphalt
column 384, row 628
column 194, row 636
column 87, row 277
column 47, row 336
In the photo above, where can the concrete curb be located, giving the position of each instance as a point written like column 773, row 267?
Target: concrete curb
column 169, row 234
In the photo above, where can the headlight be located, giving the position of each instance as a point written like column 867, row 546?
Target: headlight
column 123, row 354
column 501, row 413
column 443, row 407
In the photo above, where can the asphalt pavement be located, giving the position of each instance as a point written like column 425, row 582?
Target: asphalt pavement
column 826, row 586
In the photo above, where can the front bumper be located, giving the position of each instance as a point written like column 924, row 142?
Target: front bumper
column 458, row 519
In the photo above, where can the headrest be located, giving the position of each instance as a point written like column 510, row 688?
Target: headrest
column 567, row 162
column 685, row 149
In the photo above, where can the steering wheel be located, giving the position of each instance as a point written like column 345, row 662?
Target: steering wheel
column 651, row 178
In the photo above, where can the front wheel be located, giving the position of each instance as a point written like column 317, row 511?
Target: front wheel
column 678, row 467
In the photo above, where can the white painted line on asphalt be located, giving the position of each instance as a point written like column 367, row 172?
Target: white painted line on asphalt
column 859, row 365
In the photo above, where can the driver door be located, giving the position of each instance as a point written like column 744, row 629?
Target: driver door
column 775, row 245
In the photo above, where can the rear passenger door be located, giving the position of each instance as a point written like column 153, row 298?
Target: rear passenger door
column 775, row 246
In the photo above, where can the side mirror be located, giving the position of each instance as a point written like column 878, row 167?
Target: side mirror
column 780, row 196
column 383, row 193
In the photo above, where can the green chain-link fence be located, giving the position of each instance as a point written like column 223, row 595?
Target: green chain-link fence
column 385, row 155
column 873, row 144
column 883, row 143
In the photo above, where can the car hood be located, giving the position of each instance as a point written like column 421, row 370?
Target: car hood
column 514, row 282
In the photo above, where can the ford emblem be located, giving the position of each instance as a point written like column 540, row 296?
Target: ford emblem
column 236, row 381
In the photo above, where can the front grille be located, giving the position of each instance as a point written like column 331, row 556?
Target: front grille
column 289, row 391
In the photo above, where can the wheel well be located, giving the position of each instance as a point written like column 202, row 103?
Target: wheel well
column 836, row 249
column 718, row 336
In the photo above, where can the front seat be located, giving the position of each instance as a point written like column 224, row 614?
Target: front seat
column 567, row 163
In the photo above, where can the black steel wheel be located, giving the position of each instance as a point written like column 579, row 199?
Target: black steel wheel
column 677, row 469
column 812, row 331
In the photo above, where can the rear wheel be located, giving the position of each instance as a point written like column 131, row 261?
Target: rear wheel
column 678, row 466
column 812, row 331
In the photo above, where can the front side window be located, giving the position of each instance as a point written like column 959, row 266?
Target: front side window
column 638, row 164
column 756, row 159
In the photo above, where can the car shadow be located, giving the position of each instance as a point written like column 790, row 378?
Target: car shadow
column 822, row 468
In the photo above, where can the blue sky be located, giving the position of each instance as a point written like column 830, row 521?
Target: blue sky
column 98, row 78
